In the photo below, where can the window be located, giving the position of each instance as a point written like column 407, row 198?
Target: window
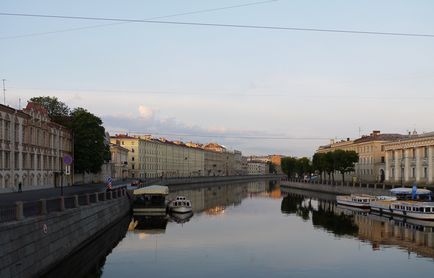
column 413, row 153
column 425, row 152
column 382, row 159
column 425, row 172
column 413, row 172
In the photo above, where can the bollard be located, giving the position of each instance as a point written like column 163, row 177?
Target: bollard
column 42, row 207
column 110, row 195
column 104, row 196
column 19, row 215
column 62, row 203
column 87, row 199
column 76, row 204
column 96, row 197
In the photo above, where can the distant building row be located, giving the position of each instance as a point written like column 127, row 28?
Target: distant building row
column 391, row 158
column 148, row 157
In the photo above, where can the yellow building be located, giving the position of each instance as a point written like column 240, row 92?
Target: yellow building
column 411, row 159
column 370, row 148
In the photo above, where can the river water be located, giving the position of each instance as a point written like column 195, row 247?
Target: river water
column 258, row 229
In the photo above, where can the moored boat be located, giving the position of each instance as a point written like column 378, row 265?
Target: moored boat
column 356, row 200
column 409, row 202
column 180, row 205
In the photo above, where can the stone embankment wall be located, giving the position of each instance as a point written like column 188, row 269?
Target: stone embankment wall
column 372, row 189
column 201, row 180
column 31, row 246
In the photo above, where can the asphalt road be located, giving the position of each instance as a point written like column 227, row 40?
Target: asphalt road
column 8, row 199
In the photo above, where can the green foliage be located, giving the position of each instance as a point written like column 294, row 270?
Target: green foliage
column 89, row 148
column 293, row 165
column 288, row 165
column 338, row 160
column 90, row 152
column 57, row 110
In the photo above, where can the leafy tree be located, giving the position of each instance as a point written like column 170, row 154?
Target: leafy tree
column 90, row 152
column 345, row 161
column 57, row 110
column 319, row 163
column 288, row 165
column 329, row 165
column 303, row 166
column 89, row 147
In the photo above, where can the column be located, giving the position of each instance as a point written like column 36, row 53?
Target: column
column 406, row 165
column 387, row 166
column 418, row 169
column 430, row 163
column 397, row 165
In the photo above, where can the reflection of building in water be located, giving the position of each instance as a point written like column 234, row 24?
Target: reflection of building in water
column 256, row 186
column 413, row 235
column 268, row 189
column 213, row 198
column 382, row 231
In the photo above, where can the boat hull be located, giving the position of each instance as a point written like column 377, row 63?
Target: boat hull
column 181, row 209
column 353, row 204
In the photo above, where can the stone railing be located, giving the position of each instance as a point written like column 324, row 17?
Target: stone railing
column 22, row 210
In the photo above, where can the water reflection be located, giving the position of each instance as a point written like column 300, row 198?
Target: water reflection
column 379, row 230
column 89, row 261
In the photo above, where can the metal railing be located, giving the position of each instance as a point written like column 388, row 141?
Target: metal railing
column 21, row 210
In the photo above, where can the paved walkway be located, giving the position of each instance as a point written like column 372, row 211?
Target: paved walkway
column 7, row 199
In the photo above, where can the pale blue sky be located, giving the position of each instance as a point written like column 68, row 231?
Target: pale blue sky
column 306, row 84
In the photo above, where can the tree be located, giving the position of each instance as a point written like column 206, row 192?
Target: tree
column 89, row 147
column 319, row 163
column 90, row 152
column 57, row 110
column 303, row 166
column 345, row 161
column 329, row 166
column 288, row 165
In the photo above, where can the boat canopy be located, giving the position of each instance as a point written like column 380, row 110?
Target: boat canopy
column 409, row 191
column 152, row 190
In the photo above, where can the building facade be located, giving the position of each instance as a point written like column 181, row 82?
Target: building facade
column 119, row 159
column 370, row 148
column 410, row 160
column 32, row 149
column 257, row 168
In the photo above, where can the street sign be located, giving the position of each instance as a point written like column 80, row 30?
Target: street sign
column 109, row 180
column 67, row 159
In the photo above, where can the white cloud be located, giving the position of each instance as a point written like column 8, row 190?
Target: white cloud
column 146, row 112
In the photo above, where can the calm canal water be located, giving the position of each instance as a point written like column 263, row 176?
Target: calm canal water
column 257, row 229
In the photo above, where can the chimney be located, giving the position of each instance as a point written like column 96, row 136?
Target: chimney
column 348, row 139
column 375, row 133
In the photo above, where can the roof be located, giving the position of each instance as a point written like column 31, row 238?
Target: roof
column 409, row 191
column 380, row 137
column 152, row 190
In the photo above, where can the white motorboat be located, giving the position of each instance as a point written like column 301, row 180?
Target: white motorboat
column 355, row 200
column 180, row 205
column 409, row 202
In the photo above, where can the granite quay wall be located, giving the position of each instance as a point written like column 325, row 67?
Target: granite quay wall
column 201, row 180
column 338, row 187
column 43, row 235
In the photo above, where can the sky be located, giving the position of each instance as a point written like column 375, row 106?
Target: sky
column 258, row 91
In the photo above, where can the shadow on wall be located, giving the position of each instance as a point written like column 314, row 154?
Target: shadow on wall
column 89, row 260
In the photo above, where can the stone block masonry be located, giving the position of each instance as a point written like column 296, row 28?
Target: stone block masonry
column 31, row 246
